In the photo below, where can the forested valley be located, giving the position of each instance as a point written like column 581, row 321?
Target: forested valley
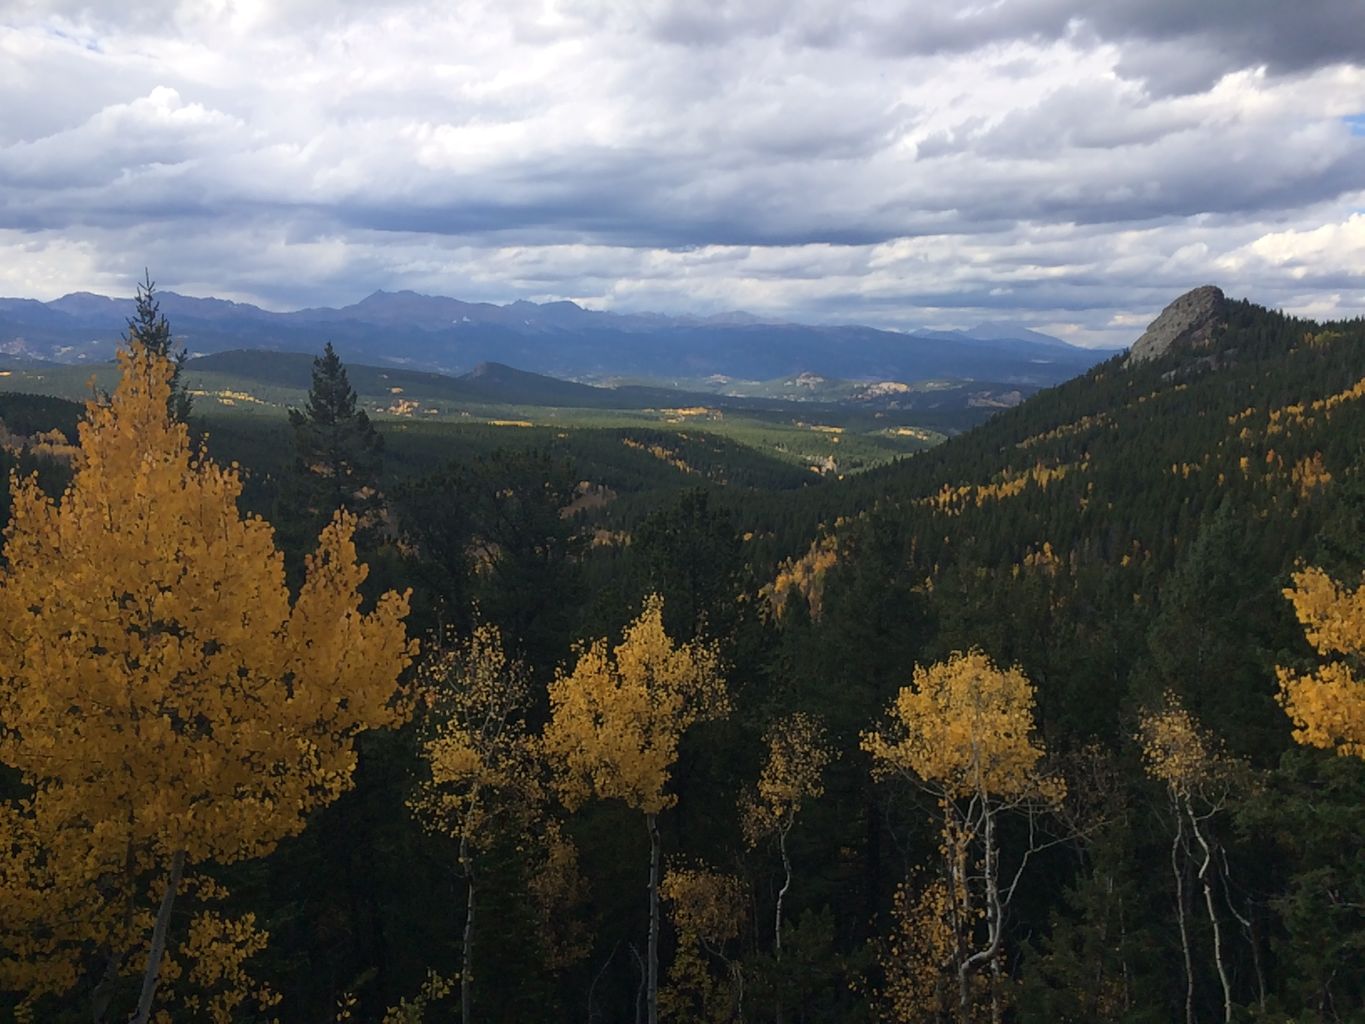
column 348, row 720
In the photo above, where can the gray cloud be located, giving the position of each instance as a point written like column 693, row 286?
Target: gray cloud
column 1069, row 164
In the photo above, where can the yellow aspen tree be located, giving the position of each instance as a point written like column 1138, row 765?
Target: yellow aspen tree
column 482, row 780
column 798, row 754
column 707, row 909
column 962, row 731
column 1328, row 704
column 163, row 701
column 918, row 958
column 1178, row 754
column 615, row 724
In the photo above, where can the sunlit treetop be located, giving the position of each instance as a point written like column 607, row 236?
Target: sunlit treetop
column 965, row 727
column 618, row 716
column 1174, row 748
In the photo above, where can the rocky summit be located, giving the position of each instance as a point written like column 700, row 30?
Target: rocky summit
column 1188, row 321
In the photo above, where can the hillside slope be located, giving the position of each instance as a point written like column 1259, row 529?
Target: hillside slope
column 1221, row 465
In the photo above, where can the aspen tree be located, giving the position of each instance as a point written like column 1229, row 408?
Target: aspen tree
column 707, row 909
column 962, row 731
column 1178, row 754
column 798, row 754
column 163, row 701
column 482, row 780
column 1328, row 704
column 615, row 724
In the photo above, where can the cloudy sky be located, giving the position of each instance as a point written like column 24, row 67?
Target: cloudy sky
column 1059, row 164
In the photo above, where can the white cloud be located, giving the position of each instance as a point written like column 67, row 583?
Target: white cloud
column 807, row 158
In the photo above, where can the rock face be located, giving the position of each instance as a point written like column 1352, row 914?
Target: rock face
column 1189, row 321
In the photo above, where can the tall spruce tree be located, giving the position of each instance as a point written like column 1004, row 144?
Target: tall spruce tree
column 150, row 326
column 339, row 452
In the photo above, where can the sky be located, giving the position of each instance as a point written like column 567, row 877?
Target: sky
column 1054, row 164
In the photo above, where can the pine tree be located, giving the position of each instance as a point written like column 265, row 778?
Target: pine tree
column 339, row 452
column 149, row 326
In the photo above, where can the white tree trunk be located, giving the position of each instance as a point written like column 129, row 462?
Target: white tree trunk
column 1213, row 917
column 1180, row 912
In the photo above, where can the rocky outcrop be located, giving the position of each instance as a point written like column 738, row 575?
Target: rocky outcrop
column 1189, row 322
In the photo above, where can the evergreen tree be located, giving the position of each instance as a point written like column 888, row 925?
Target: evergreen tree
column 528, row 580
column 338, row 452
column 689, row 553
column 150, row 326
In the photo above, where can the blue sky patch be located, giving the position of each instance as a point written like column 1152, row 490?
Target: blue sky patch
column 1357, row 123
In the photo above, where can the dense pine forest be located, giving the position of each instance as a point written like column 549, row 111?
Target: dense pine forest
column 353, row 720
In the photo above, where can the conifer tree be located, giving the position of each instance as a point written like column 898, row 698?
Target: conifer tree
column 149, row 326
column 339, row 452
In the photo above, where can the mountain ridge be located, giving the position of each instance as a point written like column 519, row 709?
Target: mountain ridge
column 561, row 339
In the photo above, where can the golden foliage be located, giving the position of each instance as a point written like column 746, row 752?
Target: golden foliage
column 963, row 726
column 1174, row 749
column 707, row 908
column 1081, row 426
column 918, row 957
column 559, row 891
column 704, row 904
column 484, row 780
column 659, row 452
column 804, row 575
column 159, row 691
column 1010, row 483
column 1301, row 415
column 1328, row 705
column 482, row 765
column 616, row 719
column 51, row 444
column 413, row 1011
column 1310, row 474
column 798, row 754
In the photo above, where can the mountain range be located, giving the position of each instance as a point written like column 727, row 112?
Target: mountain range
column 562, row 339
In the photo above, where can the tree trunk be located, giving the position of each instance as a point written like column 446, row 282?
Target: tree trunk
column 777, row 916
column 104, row 991
column 1213, row 917
column 1180, row 913
column 163, row 924
column 652, row 967
column 466, row 960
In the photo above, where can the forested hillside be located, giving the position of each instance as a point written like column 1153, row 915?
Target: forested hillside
column 1056, row 721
